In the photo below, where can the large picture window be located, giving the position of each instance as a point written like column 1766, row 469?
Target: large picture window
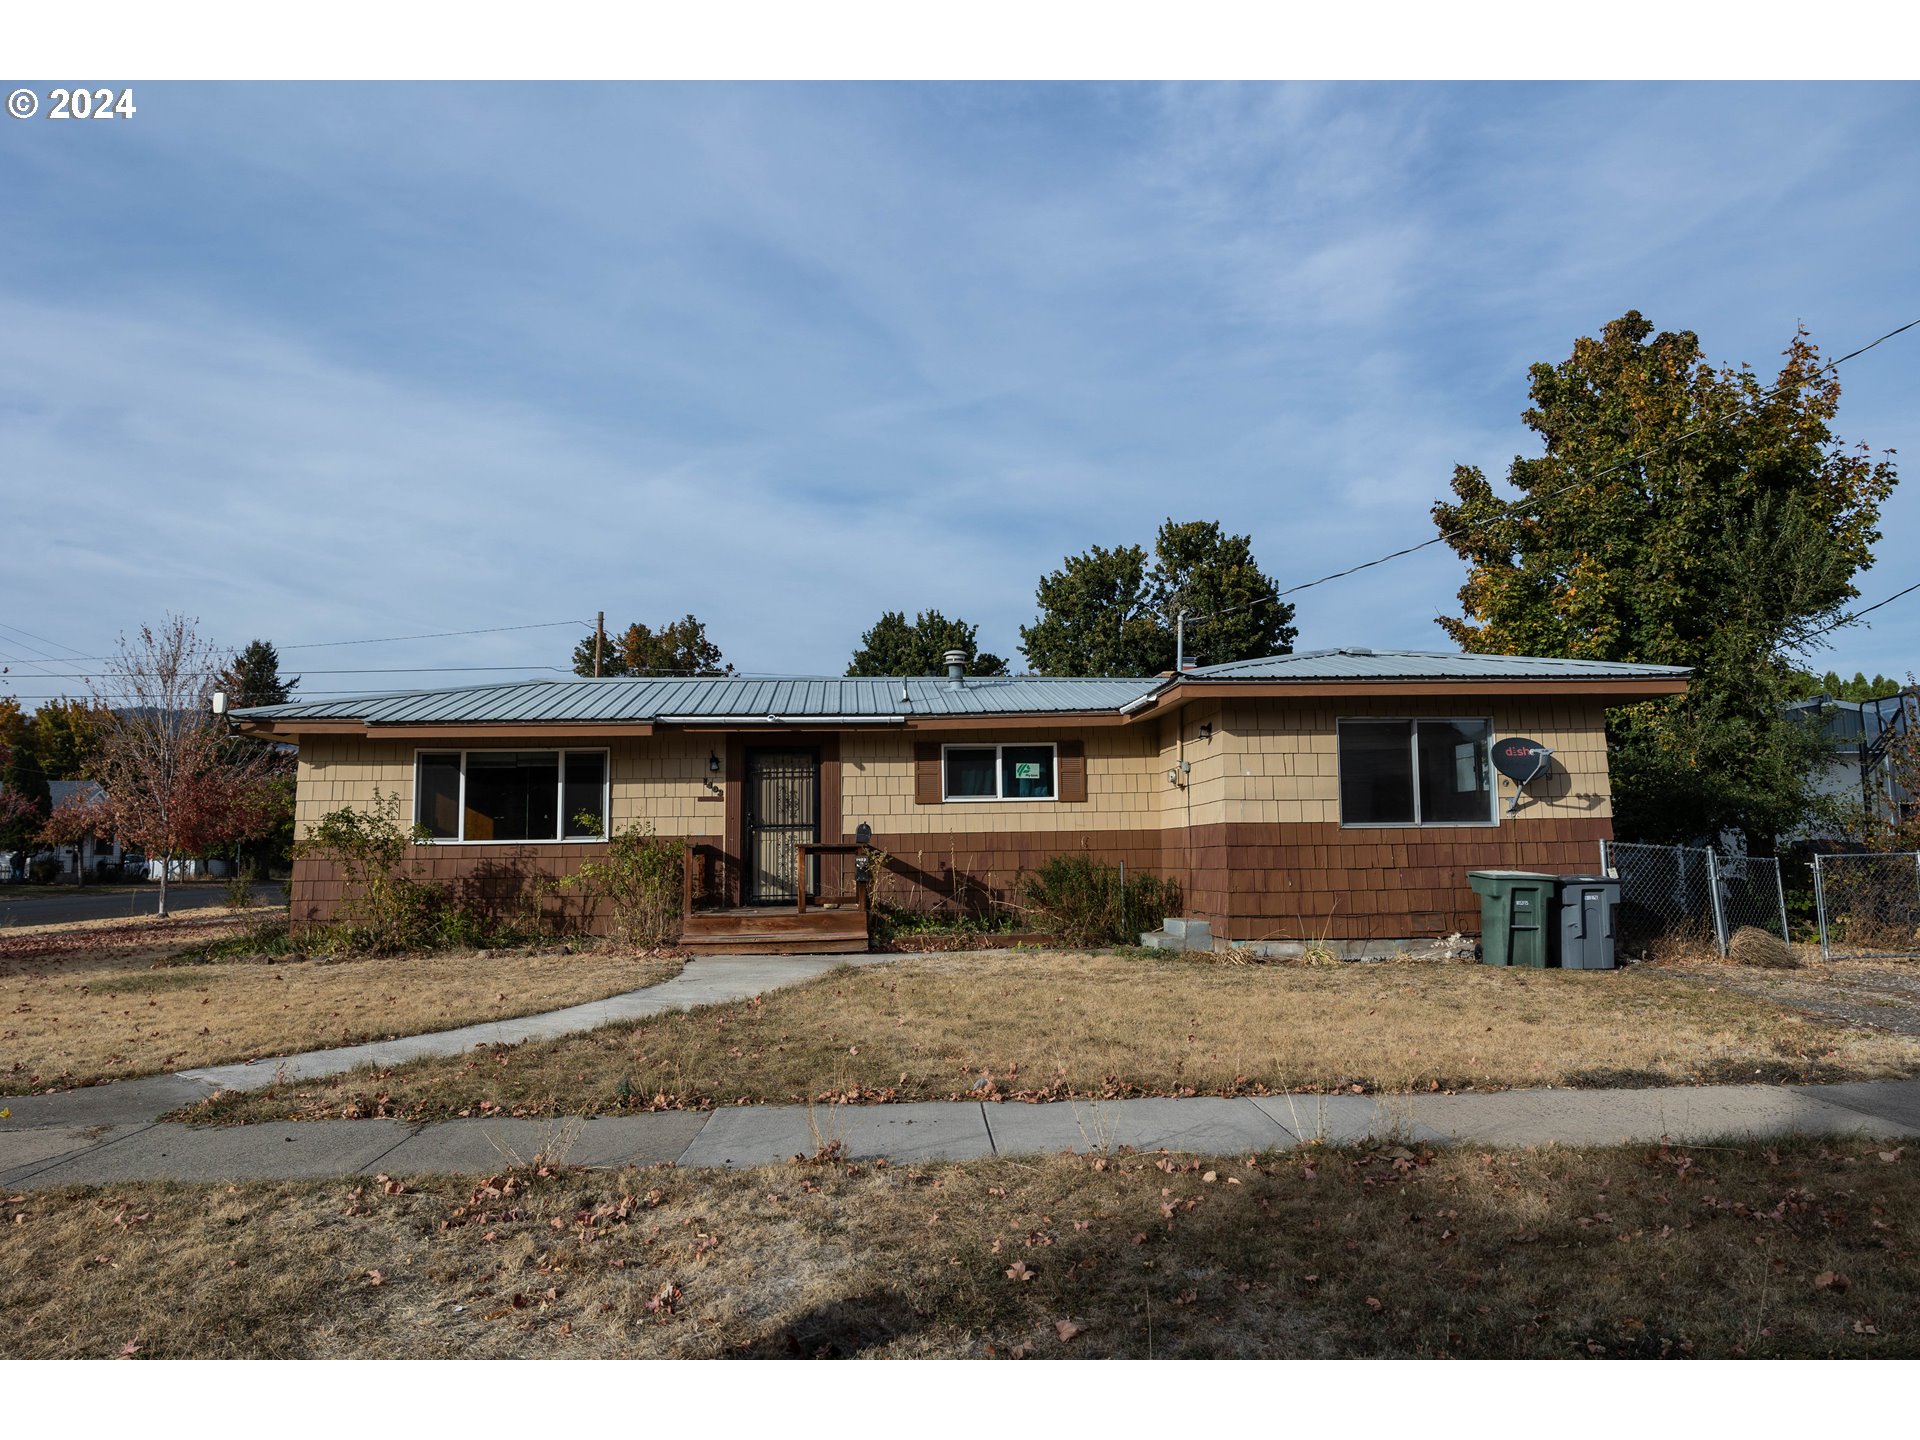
column 511, row 795
column 1416, row 772
column 998, row 772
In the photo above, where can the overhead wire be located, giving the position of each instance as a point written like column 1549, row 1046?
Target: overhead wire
column 1518, row 506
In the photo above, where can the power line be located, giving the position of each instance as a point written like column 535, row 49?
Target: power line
column 330, row 644
column 388, row 670
column 1516, row 506
column 41, row 638
column 438, row 635
column 1855, row 615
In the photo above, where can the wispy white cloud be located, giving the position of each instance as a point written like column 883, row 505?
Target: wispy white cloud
column 332, row 361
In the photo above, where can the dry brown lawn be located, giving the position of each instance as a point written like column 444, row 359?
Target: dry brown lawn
column 1054, row 1026
column 1803, row 1249
column 80, row 1004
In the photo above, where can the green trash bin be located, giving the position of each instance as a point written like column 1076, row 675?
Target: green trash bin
column 1518, row 916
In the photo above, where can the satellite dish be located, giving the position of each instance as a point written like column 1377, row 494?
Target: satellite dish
column 1521, row 761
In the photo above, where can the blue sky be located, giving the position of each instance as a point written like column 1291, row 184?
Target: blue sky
column 322, row 362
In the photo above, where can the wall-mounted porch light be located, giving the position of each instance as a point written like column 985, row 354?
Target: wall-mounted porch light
column 713, row 763
column 1206, row 730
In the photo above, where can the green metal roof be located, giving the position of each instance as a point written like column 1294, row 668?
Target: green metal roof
column 652, row 699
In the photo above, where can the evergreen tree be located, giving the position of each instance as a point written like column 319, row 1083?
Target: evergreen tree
column 253, row 677
column 894, row 647
column 1108, row 612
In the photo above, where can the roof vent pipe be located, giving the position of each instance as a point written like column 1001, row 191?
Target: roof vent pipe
column 956, row 661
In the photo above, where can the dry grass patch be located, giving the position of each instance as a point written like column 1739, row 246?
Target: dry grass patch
column 1795, row 1250
column 107, row 1001
column 1875, row 994
column 1060, row 1026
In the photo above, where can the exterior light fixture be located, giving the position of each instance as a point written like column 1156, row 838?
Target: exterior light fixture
column 713, row 763
column 1206, row 730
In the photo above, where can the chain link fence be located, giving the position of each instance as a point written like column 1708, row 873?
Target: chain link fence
column 1868, row 905
column 1679, row 895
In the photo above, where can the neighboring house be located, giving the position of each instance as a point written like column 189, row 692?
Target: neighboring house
column 1335, row 792
column 91, row 855
column 1859, row 734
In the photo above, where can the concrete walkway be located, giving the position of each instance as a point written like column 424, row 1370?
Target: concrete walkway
column 111, row 1132
column 67, row 1154
column 706, row 980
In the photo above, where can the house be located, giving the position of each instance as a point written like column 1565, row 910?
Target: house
column 1860, row 735
column 93, row 854
column 1343, row 793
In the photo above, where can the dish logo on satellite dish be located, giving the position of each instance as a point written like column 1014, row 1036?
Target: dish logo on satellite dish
column 1521, row 761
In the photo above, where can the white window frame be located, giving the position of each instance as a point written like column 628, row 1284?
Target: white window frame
column 999, row 775
column 1413, row 723
column 560, row 798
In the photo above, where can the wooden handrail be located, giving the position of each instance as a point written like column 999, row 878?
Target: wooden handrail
column 806, row 848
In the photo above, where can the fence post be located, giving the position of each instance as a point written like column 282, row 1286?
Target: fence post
column 1820, row 905
column 1605, row 868
column 1126, row 928
column 1780, row 888
column 1719, row 910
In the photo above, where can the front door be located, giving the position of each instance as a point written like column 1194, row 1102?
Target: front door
column 782, row 811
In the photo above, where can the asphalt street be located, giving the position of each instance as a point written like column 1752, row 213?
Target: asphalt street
column 37, row 906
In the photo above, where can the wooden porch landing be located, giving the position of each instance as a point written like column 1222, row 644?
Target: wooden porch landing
column 759, row 930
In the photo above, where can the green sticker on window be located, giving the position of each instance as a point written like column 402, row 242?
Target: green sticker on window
column 1026, row 770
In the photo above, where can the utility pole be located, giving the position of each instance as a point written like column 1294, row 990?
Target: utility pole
column 599, row 639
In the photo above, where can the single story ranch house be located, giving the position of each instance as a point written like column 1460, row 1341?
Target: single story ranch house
column 1342, row 793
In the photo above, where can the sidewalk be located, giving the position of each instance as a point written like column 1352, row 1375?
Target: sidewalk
column 705, row 980
column 966, row 1130
column 111, row 1132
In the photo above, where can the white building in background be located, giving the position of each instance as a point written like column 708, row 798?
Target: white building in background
column 91, row 854
column 1859, row 734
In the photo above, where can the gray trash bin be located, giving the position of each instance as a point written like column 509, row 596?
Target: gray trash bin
column 1585, row 906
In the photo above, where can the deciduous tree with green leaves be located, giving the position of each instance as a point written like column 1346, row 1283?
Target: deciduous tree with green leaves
column 895, row 647
column 1681, row 515
column 680, row 647
column 66, row 737
column 24, row 796
column 1111, row 612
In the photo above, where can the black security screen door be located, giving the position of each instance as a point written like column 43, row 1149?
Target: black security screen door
column 783, row 810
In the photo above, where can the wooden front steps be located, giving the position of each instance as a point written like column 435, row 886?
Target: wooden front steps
column 758, row 931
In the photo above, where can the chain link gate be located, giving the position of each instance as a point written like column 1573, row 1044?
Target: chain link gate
column 1681, row 894
column 1869, row 905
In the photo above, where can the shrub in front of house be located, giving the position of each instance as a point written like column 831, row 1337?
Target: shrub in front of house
column 1080, row 901
column 384, row 909
column 640, row 881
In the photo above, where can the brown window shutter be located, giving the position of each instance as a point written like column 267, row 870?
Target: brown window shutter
column 926, row 774
column 1071, row 756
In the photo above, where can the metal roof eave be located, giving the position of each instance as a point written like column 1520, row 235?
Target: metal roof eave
column 1621, row 689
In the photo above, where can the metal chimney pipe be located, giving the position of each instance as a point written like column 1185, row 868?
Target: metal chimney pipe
column 956, row 661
